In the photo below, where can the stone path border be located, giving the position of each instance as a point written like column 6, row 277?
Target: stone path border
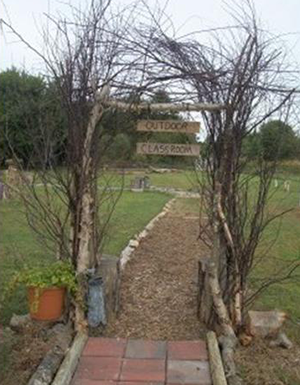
column 134, row 243
column 177, row 192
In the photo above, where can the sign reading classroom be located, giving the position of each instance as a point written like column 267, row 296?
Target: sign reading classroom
column 168, row 149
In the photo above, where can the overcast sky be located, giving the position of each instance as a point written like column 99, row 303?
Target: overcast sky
column 279, row 16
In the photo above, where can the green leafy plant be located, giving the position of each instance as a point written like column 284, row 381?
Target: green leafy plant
column 59, row 274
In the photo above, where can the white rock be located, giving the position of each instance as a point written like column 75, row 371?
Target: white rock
column 17, row 322
column 133, row 243
column 264, row 323
column 282, row 341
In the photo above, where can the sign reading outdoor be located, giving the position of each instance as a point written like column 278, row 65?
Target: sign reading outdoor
column 168, row 149
column 168, row 126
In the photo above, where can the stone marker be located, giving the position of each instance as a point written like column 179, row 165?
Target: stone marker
column 140, row 183
column 13, row 179
column 286, row 186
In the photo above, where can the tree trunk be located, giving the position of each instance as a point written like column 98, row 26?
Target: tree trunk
column 213, row 308
column 86, row 224
column 206, row 311
column 219, row 306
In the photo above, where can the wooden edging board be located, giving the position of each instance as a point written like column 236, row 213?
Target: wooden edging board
column 69, row 364
column 168, row 126
column 215, row 360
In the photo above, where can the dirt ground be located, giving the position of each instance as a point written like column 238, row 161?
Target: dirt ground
column 261, row 365
column 159, row 285
column 26, row 350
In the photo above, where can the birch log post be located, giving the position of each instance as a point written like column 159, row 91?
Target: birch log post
column 158, row 107
column 219, row 306
column 47, row 368
column 213, row 277
column 86, row 227
column 84, row 257
column 68, row 367
column 228, row 345
column 215, row 360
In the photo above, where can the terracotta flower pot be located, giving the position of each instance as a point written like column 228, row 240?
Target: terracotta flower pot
column 46, row 304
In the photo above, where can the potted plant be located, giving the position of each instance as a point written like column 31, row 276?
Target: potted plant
column 46, row 288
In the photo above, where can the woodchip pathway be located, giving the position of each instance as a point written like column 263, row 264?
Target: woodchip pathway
column 157, row 337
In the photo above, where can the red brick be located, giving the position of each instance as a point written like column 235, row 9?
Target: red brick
column 143, row 370
column 187, row 350
column 99, row 368
column 146, row 349
column 188, row 372
column 139, row 383
column 83, row 381
column 104, row 347
column 182, row 383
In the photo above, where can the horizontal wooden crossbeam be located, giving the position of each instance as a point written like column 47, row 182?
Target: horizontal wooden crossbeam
column 172, row 107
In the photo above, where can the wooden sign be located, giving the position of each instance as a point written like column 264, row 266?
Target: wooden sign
column 168, row 126
column 165, row 149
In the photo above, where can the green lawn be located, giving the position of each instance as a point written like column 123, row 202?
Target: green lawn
column 134, row 211
column 18, row 244
column 184, row 180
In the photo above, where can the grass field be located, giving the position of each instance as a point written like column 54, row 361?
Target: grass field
column 134, row 210
column 18, row 244
column 184, row 180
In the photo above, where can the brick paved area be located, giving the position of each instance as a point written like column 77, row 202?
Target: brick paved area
column 106, row 361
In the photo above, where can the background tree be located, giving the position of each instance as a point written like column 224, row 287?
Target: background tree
column 21, row 96
column 275, row 140
column 278, row 141
column 30, row 109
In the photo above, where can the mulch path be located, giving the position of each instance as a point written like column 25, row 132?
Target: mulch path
column 159, row 285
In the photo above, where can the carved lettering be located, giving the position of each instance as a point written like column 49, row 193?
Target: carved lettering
column 168, row 149
column 168, row 126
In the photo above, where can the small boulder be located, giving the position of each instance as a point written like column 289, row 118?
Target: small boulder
column 18, row 322
column 264, row 323
column 62, row 333
column 133, row 243
column 281, row 341
column 58, row 329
